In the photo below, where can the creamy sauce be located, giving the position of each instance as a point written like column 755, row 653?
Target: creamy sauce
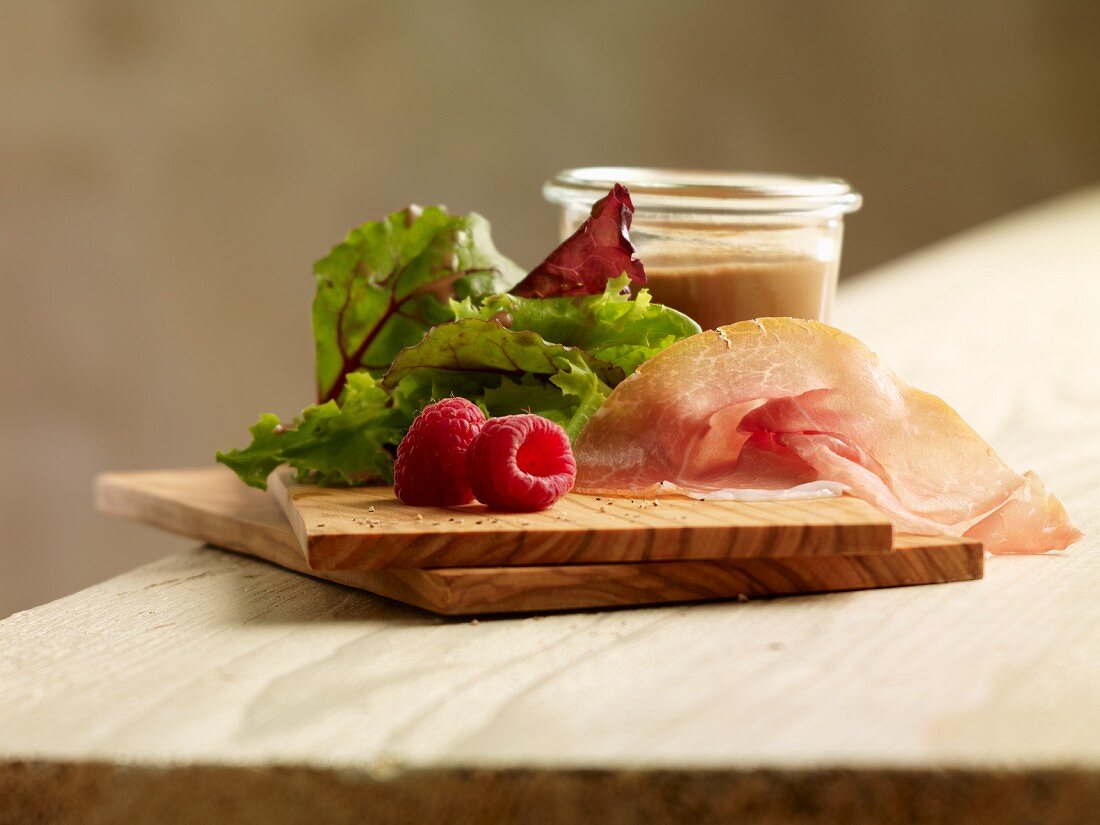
column 721, row 293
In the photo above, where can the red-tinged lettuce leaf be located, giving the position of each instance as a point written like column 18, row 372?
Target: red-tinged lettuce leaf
column 597, row 252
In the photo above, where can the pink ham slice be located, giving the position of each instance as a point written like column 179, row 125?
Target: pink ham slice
column 778, row 407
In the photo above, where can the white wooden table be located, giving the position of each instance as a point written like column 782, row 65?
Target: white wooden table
column 209, row 687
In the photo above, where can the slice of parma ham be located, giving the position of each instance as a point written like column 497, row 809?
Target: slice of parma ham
column 784, row 408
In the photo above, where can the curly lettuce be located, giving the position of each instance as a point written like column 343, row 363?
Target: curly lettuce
column 504, row 371
column 330, row 443
column 612, row 326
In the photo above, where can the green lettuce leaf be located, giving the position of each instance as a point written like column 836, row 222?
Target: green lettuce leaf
column 505, row 371
column 390, row 280
column 611, row 327
column 350, row 443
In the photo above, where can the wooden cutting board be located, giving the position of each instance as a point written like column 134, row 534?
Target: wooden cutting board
column 213, row 506
column 366, row 528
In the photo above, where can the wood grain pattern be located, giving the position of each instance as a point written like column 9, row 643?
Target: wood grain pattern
column 367, row 528
column 209, row 682
column 211, row 505
column 918, row 560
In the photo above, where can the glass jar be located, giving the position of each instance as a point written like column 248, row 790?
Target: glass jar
column 725, row 246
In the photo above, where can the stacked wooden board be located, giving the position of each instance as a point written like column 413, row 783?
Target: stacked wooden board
column 585, row 552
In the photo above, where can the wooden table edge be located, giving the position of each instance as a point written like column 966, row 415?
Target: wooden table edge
column 71, row 791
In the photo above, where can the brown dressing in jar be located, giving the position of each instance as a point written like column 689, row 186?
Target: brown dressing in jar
column 723, row 293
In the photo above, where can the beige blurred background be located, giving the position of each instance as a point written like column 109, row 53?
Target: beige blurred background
column 170, row 170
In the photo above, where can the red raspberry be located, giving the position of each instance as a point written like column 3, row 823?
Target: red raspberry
column 520, row 462
column 430, row 468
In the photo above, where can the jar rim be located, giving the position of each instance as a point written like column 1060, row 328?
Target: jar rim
column 707, row 191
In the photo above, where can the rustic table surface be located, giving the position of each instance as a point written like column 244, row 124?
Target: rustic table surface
column 208, row 686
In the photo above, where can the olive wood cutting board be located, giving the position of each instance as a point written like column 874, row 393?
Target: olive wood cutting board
column 213, row 506
column 366, row 528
